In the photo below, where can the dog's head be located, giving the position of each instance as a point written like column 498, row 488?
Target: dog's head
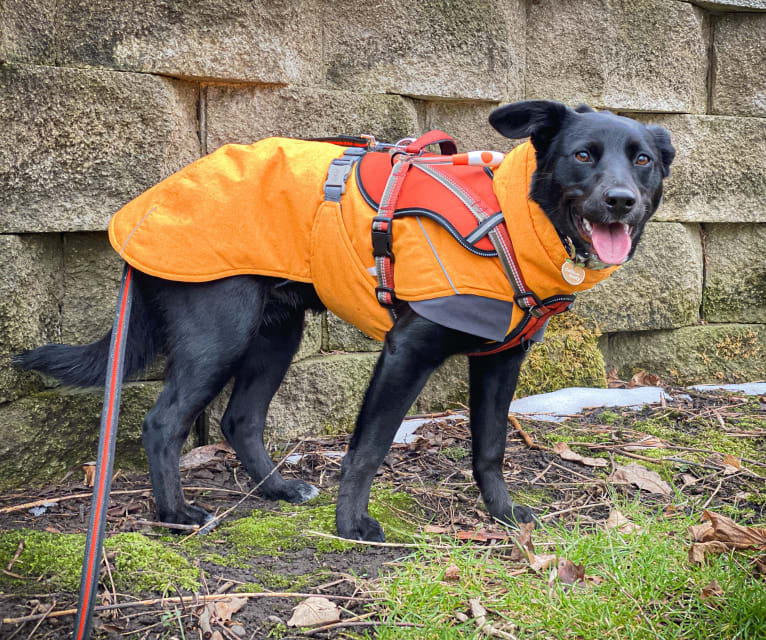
column 599, row 176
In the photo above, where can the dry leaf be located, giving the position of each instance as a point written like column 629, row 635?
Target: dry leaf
column 477, row 610
column 733, row 461
column 313, row 612
column 711, row 590
column 452, row 572
column 523, row 542
column 699, row 550
column 482, row 535
column 642, row 477
column 594, row 580
column 644, row 379
column 569, row 572
column 649, row 442
column 565, row 453
column 223, row 610
column 701, row 532
column 618, row 521
column 759, row 564
column 90, row 474
column 200, row 456
column 735, row 535
column 434, row 528
column 541, row 563
column 688, row 479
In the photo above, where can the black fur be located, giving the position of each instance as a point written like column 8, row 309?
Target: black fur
column 249, row 327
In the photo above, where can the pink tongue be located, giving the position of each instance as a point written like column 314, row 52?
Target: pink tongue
column 611, row 242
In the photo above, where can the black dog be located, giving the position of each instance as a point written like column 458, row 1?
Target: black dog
column 591, row 168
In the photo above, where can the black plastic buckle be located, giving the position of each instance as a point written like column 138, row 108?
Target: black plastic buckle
column 382, row 241
column 387, row 290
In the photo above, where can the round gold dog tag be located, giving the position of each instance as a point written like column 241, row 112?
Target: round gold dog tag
column 572, row 273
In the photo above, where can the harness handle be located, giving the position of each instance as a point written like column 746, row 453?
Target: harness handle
column 446, row 142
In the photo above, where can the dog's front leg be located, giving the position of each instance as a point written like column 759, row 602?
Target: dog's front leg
column 492, row 383
column 413, row 349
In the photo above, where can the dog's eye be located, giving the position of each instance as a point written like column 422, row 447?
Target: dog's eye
column 582, row 156
column 642, row 160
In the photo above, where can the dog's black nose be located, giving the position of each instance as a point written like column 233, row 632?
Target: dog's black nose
column 619, row 200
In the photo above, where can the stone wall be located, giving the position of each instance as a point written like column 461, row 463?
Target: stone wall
column 98, row 101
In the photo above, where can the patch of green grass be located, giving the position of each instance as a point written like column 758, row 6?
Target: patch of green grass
column 270, row 532
column 276, row 581
column 649, row 591
column 138, row 563
column 455, row 453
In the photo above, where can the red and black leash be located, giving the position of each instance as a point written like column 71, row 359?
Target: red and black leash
column 103, row 478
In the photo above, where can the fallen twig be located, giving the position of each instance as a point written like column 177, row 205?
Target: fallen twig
column 525, row 436
column 548, row 516
column 167, row 525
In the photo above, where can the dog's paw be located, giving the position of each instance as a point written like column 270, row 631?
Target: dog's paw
column 364, row 528
column 189, row 514
column 295, row 491
column 517, row 514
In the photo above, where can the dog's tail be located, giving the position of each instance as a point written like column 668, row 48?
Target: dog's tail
column 85, row 365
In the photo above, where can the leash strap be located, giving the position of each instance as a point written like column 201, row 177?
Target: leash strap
column 103, row 482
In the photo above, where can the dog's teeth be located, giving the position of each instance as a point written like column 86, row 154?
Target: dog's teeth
column 626, row 227
column 586, row 225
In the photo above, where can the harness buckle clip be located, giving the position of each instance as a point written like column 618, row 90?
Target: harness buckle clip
column 385, row 296
column 382, row 239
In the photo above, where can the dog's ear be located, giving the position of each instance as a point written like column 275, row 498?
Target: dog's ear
column 538, row 119
column 667, row 151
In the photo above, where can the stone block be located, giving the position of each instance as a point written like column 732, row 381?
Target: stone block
column 568, row 357
column 648, row 55
column 469, row 50
column 342, row 336
column 690, row 355
column 27, row 31
column 447, row 388
column 311, row 342
column 92, row 273
column 731, row 5
column 467, row 122
column 30, row 294
column 659, row 288
column 260, row 41
column 739, row 71
column 246, row 114
column 44, row 435
column 76, row 145
column 718, row 174
column 735, row 282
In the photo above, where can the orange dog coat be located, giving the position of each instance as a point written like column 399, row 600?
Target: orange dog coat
column 260, row 209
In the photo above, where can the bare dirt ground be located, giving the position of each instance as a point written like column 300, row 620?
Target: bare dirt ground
column 706, row 444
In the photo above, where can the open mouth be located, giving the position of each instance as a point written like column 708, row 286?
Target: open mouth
column 611, row 241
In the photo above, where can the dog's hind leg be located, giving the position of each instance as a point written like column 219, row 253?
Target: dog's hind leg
column 492, row 384
column 256, row 380
column 209, row 328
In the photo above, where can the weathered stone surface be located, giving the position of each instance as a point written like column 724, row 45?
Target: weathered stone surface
column 341, row 336
column 735, row 282
column 467, row 122
column 719, row 174
column 92, row 272
column 461, row 50
column 76, row 145
column 660, row 288
column 705, row 353
column 30, row 293
column 731, row 5
column 44, row 435
column 261, row 41
column 26, row 31
column 739, row 72
column 311, row 342
column 647, row 55
column 447, row 388
column 246, row 114
column 568, row 357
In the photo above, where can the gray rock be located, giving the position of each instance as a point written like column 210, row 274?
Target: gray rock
column 260, row 41
column 705, row 353
column 77, row 145
column 27, row 31
column 731, row 5
column 718, row 174
column 44, row 435
column 460, row 50
column 246, row 114
column 342, row 336
column 467, row 122
column 648, row 55
column 739, row 72
column 660, row 288
column 735, row 282
column 311, row 342
column 30, row 294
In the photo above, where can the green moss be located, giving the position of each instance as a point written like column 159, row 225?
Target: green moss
column 569, row 357
column 266, row 533
column 608, row 417
column 138, row 563
column 455, row 453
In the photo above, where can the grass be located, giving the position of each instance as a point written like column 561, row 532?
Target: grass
column 649, row 589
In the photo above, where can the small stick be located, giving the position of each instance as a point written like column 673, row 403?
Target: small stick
column 16, row 555
column 547, row 516
column 193, row 600
column 525, row 436
column 40, row 621
column 168, row 525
